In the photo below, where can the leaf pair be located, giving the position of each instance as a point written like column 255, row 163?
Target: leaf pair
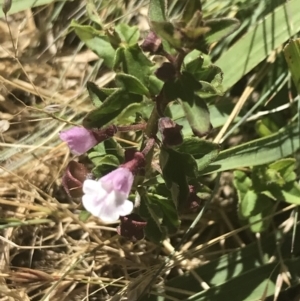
column 268, row 183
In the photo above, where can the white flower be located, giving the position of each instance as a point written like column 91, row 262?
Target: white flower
column 107, row 197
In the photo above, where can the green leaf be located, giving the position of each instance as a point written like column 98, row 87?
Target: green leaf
column 176, row 167
column 195, row 109
column 286, row 168
column 259, row 151
column 96, row 41
column 266, row 127
column 209, row 90
column 168, row 32
column 152, row 214
column 247, row 204
column 135, row 63
column 191, row 6
column 253, row 208
column 203, row 73
column 92, row 12
column 265, row 178
column 155, row 85
column 242, row 183
column 134, row 111
column 84, row 215
column 167, row 207
column 128, row 34
column 157, row 10
column 21, row 5
column 98, row 159
column 104, row 165
column 194, row 65
column 110, row 108
column 258, row 42
column 291, row 193
column 98, row 95
column 292, row 55
column 112, row 147
column 210, row 76
column 131, row 84
column 118, row 58
column 202, row 150
column 197, row 114
column 220, row 28
column 153, row 232
column 218, row 115
column 194, row 55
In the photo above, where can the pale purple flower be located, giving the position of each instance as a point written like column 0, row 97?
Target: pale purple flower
column 107, row 197
column 79, row 139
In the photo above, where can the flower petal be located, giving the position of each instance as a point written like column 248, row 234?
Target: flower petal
column 91, row 186
column 92, row 204
column 109, row 212
column 94, row 198
column 121, row 179
column 79, row 139
column 126, row 208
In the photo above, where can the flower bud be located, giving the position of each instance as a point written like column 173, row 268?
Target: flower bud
column 152, row 43
column 80, row 139
column 136, row 163
column 75, row 174
column 193, row 202
column 166, row 72
column 170, row 132
column 132, row 227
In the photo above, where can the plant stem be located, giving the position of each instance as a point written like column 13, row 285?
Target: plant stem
column 133, row 127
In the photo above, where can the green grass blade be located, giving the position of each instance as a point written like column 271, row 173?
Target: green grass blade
column 292, row 56
column 19, row 5
column 276, row 28
column 258, row 152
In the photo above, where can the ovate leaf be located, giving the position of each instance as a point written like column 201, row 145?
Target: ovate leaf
column 195, row 109
column 247, row 204
column 98, row 95
column 105, row 164
column 191, row 6
column 128, row 34
column 242, row 183
column 96, row 41
column 135, row 63
column 291, row 193
column 153, row 215
column 197, row 114
column 286, row 168
column 168, row 32
column 110, row 108
column 131, row 84
column 167, row 207
column 254, row 208
column 176, row 168
column 157, row 10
